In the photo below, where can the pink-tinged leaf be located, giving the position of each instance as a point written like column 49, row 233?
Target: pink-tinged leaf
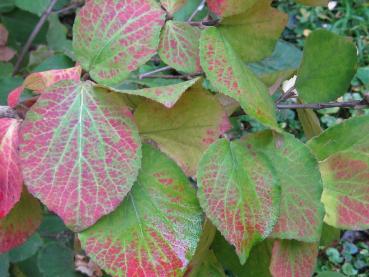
column 80, row 151
column 155, row 231
column 179, row 46
column 114, row 37
column 171, row 6
column 239, row 193
column 301, row 212
column 346, row 190
column 166, row 95
column 11, row 180
column 3, row 35
column 6, row 54
column 20, row 223
column 39, row 81
column 185, row 131
column 293, row 259
column 229, row 7
column 230, row 76
column 14, row 96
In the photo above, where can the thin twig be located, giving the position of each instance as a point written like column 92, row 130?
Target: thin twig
column 145, row 75
column 212, row 22
column 288, row 94
column 183, row 76
column 33, row 35
column 69, row 9
column 198, row 9
column 358, row 104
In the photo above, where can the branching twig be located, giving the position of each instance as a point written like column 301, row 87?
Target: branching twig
column 33, row 35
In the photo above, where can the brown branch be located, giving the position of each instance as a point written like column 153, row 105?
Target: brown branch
column 288, row 94
column 358, row 104
column 33, row 35
column 7, row 112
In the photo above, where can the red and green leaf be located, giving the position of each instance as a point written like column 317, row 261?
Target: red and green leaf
column 172, row 6
column 229, row 7
column 11, row 180
column 80, row 151
column 6, row 53
column 346, row 190
column 113, row 37
column 231, row 77
column 20, row 223
column 155, row 231
column 166, row 95
column 293, row 259
column 301, row 212
column 179, row 46
column 185, row 131
column 254, row 33
column 239, row 193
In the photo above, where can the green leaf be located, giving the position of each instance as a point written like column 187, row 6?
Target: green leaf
column 239, row 193
column 166, row 95
column 185, row 131
column 111, row 39
column 80, row 151
column 156, row 229
column 54, row 62
column 328, row 66
column 363, row 75
column 179, row 46
column 310, row 123
column 26, row 250
column 301, row 212
column 7, row 84
column 34, row 6
column 186, row 11
column 4, row 265
column 6, row 69
column 172, row 6
column 56, row 37
column 353, row 133
column 6, row 6
column 55, row 259
column 293, row 259
column 313, row 2
column 330, row 274
column 231, row 77
column 210, row 267
column 230, row 7
column 329, row 235
column 254, row 33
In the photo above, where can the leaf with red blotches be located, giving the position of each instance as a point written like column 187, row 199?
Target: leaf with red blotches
column 254, row 33
column 113, row 37
column 346, row 190
column 229, row 7
column 239, row 193
column 301, row 212
column 11, row 180
column 166, row 95
column 179, row 46
column 20, row 223
column 6, row 54
column 293, row 259
column 155, row 231
column 172, row 6
column 14, row 96
column 186, row 130
column 39, row 81
column 3, row 35
column 80, row 151
column 231, row 77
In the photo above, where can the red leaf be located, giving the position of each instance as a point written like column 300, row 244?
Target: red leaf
column 3, row 35
column 6, row 53
column 14, row 96
column 11, row 180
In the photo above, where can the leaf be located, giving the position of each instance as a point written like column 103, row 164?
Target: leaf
column 113, row 38
column 3, row 35
column 330, row 274
column 56, row 36
column 313, row 2
column 11, row 181
column 20, row 223
column 301, row 212
column 229, row 76
column 179, row 46
column 172, row 6
column 229, row 7
column 310, row 122
column 4, row 261
column 323, row 75
column 329, row 235
column 254, row 33
column 209, row 267
column 293, row 259
column 166, row 95
column 26, row 250
column 6, row 54
column 80, row 151
column 239, row 194
column 156, row 229
column 353, row 134
column 346, row 190
column 14, row 96
column 34, row 6
column 186, row 130
column 7, row 84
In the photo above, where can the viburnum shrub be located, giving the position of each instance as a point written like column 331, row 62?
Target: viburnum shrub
column 147, row 177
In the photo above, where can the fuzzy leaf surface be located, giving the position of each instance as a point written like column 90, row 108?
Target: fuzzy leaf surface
column 113, row 37
column 179, row 46
column 80, row 151
column 20, row 223
column 155, row 231
column 231, row 77
column 186, row 130
column 239, row 193
column 11, row 181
